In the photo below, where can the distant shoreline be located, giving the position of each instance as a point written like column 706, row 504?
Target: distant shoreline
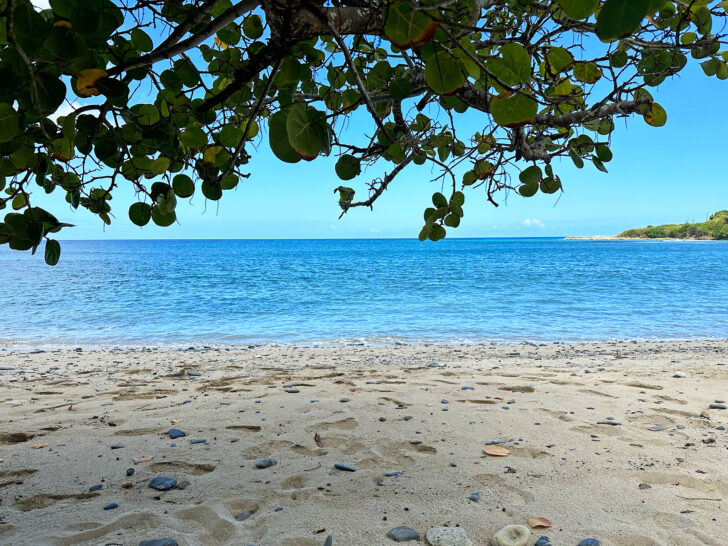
column 618, row 238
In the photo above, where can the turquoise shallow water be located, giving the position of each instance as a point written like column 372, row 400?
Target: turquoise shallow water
column 376, row 291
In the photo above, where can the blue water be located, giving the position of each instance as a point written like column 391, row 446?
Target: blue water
column 378, row 291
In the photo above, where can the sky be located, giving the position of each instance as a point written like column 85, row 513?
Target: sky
column 671, row 174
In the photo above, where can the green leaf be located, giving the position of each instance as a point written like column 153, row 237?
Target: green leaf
column 619, row 18
column 303, row 135
column 513, row 67
column 8, row 122
column 183, row 186
column 193, row 137
column 657, row 117
column 400, row 88
column 550, row 185
column 405, row 26
column 530, row 175
column 452, row 220
column 140, row 213
column 211, row 190
column 598, row 164
column 528, row 190
column 578, row 9
column 348, row 167
column 587, row 72
column 278, row 138
column 514, row 110
column 52, row 252
column 437, row 232
column 604, row 153
column 444, row 73
column 559, row 59
column 439, row 200
column 162, row 219
column 253, row 27
column 141, row 40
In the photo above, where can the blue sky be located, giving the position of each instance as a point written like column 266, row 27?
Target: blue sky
column 658, row 175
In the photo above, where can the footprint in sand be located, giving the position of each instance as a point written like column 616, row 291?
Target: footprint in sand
column 528, row 453
column 244, row 428
column 44, row 500
column 502, row 492
column 194, row 469
column 135, row 523
column 206, row 524
column 344, row 424
column 8, row 438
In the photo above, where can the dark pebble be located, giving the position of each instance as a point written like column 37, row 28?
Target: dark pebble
column 242, row 516
column 198, row 441
column 391, row 474
column 345, row 467
column 159, row 542
column 194, row 374
column 589, row 542
column 717, row 406
column 382, row 419
column 475, row 497
column 293, row 391
column 265, row 462
column 95, row 487
column 407, row 417
column 129, row 471
column 329, row 541
column 111, row 506
column 117, row 446
column 543, row 541
column 162, row 483
column 175, row 433
column 403, row 534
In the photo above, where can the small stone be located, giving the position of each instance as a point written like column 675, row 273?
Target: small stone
column 543, row 541
column 111, row 506
column 657, row 428
column 329, row 541
column 511, row 535
column 183, row 484
column 129, row 471
column 292, row 391
column 435, row 365
column 162, row 483
column 117, row 446
column 717, row 406
column 467, row 388
column 194, row 374
column 175, row 433
column 679, row 375
column 159, row 542
column 453, row 464
column 407, row 417
column 589, row 542
column 279, row 509
column 393, row 474
column 475, row 497
column 645, row 486
column 611, row 423
column 265, row 462
column 382, row 419
column 345, row 467
column 95, row 487
column 198, row 441
column 344, row 400
column 447, row 536
column 242, row 516
column 403, row 534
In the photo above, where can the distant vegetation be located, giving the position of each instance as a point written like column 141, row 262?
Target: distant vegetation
column 716, row 227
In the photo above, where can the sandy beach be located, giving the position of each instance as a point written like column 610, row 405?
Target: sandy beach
column 614, row 441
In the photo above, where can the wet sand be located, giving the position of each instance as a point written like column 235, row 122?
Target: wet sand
column 660, row 476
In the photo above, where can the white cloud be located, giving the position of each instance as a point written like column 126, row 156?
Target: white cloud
column 535, row 222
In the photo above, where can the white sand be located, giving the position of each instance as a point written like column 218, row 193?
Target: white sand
column 583, row 476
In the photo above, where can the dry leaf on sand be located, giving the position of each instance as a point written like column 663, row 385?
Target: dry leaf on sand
column 496, row 451
column 142, row 459
column 539, row 523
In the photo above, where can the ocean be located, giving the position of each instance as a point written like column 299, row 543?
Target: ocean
column 373, row 291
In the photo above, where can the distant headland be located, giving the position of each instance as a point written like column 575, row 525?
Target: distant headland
column 713, row 229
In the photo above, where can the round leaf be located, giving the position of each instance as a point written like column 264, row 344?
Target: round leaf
column 52, row 252
column 347, row 167
column 140, row 213
column 8, row 122
column 444, row 73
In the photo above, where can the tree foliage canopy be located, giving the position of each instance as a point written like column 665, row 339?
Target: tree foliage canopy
column 171, row 96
